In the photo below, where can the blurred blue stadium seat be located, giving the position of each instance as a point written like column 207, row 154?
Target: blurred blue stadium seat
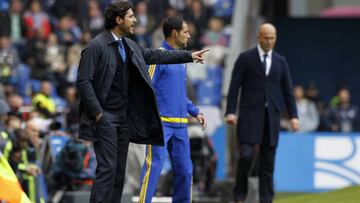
column 56, row 143
column 208, row 93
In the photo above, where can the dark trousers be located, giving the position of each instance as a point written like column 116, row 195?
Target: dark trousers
column 111, row 154
column 266, row 158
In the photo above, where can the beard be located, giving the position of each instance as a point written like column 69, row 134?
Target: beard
column 126, row 30
column 182, row 45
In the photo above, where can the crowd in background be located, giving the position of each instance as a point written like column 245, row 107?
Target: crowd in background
column 336, row 115
column 40, row 46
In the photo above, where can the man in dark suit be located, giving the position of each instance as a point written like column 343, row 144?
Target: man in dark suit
column 117, row 98
column 265, row 82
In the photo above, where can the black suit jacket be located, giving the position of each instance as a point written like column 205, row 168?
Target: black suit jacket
column 95, row 75
column 257, row 90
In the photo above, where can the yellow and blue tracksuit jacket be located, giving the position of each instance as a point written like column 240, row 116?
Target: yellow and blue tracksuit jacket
column 170, row 88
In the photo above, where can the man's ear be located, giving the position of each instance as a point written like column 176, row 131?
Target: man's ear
column 174, row 33
column 119, row 20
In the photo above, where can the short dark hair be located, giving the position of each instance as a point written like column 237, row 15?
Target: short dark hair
column 20, row 134
column 118, row 8
column 172, row 23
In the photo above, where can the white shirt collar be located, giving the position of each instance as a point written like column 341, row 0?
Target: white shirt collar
column 262, row 52
column 268, row 59
column 116, row 37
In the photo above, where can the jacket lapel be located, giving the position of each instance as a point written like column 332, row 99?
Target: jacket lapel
column 274, row 64
column 256, row 57
column 135, row 60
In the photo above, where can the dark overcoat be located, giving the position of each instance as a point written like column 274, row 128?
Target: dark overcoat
column 95, row 75
column 258, row 90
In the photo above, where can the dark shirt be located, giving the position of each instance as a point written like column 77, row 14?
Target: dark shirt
column 117, row 99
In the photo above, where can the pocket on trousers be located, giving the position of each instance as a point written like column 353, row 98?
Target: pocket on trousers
column 87, row 132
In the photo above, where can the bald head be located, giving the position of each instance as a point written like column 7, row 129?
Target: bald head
column 267, row 36
column 33, row 132
column 267, row 27
column 32, row 128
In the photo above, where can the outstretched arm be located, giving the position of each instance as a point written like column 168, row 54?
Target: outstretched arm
column 160, row 56
column 198, row 56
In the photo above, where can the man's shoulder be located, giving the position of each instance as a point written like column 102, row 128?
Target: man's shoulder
column 131, row 43
column 103, row 38
column 277, row 56
column 128, row 40
column 245, row 55
column 96, row 42
column 249, row 52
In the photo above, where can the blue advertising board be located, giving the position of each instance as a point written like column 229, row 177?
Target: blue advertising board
column 317, row 162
